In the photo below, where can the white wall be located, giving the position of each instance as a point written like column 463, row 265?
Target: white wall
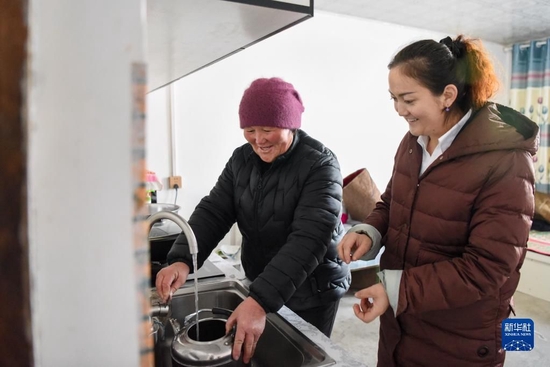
column 339, row 66
column 83, row 276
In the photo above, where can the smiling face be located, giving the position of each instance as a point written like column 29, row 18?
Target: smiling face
column 268, row 142
column 424, row 111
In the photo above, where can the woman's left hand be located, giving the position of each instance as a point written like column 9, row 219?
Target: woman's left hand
column 249, row 317
column 374, row 302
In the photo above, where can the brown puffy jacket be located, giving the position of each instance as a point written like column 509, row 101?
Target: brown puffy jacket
column 459, row 232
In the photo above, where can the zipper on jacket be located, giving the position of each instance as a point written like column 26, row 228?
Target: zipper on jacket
column 408, row 224
column 257, row 197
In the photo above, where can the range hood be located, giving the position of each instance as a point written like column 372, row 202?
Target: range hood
column 187, row 35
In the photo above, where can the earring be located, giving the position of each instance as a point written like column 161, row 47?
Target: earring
column 447, row 109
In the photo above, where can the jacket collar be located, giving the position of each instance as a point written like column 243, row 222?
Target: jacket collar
column 495, row 127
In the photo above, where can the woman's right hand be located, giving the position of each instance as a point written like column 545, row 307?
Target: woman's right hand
column 353, row 246
column 169, row 279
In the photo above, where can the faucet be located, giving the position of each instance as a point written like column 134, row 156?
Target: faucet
column 157, row 308
column 182, row 223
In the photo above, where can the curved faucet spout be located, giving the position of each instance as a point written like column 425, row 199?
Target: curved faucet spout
column 182, row 223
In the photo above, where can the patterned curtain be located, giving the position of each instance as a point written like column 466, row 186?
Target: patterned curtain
column 530, row 95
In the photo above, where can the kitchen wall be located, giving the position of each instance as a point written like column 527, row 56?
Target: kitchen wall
column 339, row 66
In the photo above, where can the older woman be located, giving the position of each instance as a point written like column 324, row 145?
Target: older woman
column 284, row 190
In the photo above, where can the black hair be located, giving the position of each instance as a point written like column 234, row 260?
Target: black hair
column 460, row 62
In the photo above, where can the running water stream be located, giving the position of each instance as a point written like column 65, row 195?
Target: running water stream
column 195, row 269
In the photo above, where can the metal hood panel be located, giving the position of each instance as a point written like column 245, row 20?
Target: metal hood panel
column 187, row 35
column 501, row 21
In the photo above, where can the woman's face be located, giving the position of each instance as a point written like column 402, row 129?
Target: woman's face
column 268, row 142
column 423, row 111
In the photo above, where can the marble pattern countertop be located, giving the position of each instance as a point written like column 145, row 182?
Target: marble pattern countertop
column 231, row 268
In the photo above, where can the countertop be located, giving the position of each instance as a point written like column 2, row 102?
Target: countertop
column 231, row 268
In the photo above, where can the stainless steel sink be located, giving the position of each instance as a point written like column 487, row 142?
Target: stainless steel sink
column 281, row 344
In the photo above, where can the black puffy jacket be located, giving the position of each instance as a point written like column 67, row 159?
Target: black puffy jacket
column 289, row 218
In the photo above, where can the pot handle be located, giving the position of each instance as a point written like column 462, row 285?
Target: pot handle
column 221, row 311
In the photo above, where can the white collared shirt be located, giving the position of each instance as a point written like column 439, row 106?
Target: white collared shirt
column 444, row 143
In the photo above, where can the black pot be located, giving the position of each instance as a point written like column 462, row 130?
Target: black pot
column 159, row 248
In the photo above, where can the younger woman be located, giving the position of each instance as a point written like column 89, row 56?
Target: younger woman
column 455, row 216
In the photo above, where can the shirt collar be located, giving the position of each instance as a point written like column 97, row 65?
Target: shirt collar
column 446, row 139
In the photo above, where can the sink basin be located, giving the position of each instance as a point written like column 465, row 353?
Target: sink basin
column 281, row 344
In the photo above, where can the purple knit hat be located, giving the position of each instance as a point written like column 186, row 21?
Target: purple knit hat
column 271, row 102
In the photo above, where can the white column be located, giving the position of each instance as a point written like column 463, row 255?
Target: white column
column 84, row 296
